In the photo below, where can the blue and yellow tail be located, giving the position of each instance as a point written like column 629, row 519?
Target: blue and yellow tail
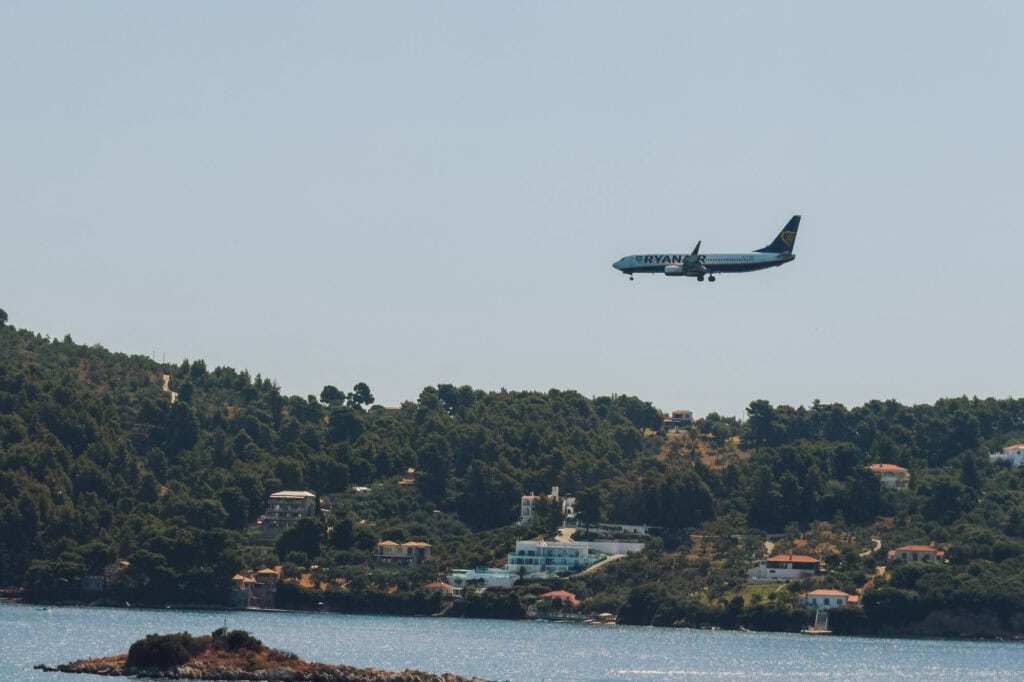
column 784, row 242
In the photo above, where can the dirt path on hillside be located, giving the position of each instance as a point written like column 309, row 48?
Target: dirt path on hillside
column 877, row 546
column 599, row 566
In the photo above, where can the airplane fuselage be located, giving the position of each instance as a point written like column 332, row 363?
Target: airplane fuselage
column 712, row 262
column 697, row 264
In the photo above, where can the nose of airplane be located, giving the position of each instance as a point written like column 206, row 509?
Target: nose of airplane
column 618, row 264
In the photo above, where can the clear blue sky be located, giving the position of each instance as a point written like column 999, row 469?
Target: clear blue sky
column 417, row 193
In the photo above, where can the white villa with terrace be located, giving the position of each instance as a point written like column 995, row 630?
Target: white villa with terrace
column 824, row 599
column 1014, row 454
column 541, row 556
column 479, row 578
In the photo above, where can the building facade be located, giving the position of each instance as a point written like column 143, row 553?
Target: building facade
column 1014, row 454
column 462, row 579
column 541, row 556
column 913, row 553
column 285, row 508
column 254, row 590
column 526, row 508
column 891, row 476
column 824, row 600
column 783, row 567
column 405, row 554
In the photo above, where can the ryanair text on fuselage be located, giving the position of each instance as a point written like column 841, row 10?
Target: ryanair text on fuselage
column 696, row 264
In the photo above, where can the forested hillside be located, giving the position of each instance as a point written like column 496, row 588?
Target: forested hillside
column 98, row 464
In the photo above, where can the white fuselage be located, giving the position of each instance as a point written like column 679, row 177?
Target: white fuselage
column 682, row 264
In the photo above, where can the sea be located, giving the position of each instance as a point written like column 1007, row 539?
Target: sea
column 506, row 650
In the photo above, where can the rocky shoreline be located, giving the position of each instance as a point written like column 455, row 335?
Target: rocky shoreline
column 230, row 655
column 117, row 666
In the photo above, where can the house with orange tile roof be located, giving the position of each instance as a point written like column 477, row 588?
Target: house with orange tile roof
column 784, row 567
column 891, row 476
column 824, row 599
column 442, row 588
column 254, row 590
column 1014, row 454
column 914, row 553
column 567, row 598
column 679, row 419
column 392, row 553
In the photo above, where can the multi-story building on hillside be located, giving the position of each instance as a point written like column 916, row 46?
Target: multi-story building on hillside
column 541, row 556
column 286, row 507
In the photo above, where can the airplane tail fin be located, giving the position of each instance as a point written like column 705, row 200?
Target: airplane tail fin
column 784, row 241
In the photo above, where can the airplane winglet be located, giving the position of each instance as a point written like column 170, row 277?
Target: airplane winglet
column 696, row 249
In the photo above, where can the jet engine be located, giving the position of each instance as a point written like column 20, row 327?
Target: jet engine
column 674, row 270
column 694, row 265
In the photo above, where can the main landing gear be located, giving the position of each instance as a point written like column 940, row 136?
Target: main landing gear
column 700, row 278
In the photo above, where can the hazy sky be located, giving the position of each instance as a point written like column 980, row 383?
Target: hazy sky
column 417, row 193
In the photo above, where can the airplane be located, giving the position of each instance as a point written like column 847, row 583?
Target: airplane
column 699, row 265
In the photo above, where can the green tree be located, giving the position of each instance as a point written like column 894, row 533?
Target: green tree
column 305, row 536
column 547, row 516
column 360, row 395
column 330, row 395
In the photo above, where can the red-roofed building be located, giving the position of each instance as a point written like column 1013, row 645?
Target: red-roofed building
column 891, row 476
column 679, row 419
column 567, row 598
column 444, row 589
column 407, row 553
column 915, row 553
column 254, row 590
column 824, row 599
column 784, row 567
column 1014, row 454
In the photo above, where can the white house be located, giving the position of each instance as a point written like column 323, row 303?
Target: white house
column 783, row 567
column 527, row 502
column 824, row 600
column 541, row 556
column 913, row 553
column 1014, row 454
column 479, row 578
column 891, row 476
column 286, row 507
column 526, row 508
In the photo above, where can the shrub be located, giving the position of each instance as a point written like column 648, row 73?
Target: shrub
column 162, row 651
column 240, row 639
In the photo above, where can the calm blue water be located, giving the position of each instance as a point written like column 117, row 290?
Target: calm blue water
column 507, row 650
